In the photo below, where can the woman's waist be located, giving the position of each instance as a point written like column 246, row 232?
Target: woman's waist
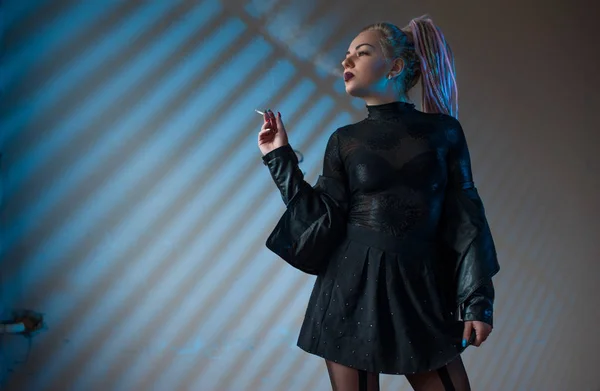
column 393, row 239
column 421, row 224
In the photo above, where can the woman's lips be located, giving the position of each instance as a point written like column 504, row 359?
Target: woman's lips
column 348, row 76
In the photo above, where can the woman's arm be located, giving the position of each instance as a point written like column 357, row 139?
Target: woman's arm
column 283, row 166
column 315, row 218
column 478, row 263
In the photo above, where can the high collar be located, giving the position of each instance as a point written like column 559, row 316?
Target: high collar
column 391, row 110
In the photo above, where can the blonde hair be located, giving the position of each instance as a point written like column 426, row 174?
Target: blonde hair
column 426, row 54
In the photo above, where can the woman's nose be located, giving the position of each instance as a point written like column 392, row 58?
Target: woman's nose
column 347, row 63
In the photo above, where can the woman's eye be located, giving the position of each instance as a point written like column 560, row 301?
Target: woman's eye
column 358, row 54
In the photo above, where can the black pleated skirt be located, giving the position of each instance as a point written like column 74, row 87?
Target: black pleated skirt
column 377, row 307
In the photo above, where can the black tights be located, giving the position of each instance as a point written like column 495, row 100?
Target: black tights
column 451, row 377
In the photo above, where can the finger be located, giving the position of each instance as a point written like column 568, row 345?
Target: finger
column 266, row 134
column 478, row 340
column 481, row 334
column 269, row 124
column 273, row 120
column 467, row 333
column 278, row 121
column 267, row 120
column 263, row 141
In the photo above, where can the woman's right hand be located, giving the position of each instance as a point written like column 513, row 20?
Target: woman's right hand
column 272, row 134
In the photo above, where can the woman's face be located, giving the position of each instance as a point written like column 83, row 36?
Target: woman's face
column 366, row 69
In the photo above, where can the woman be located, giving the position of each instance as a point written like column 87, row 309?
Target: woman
column 394, row 228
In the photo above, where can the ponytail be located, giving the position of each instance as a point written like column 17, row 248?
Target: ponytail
column 438, row 75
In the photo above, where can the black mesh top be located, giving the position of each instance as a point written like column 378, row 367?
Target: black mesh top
column 397, row 163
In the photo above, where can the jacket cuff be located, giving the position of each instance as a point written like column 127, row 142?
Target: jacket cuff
column 480, row 305
column 285, row 152
column 283, row 166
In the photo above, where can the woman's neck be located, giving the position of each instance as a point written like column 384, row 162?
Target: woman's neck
column 382, row 100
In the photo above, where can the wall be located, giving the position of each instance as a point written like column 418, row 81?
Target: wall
column 135, row 206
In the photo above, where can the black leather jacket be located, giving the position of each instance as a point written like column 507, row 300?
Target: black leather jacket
column 314, row 224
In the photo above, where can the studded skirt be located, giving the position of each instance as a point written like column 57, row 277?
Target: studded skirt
column 378, row 307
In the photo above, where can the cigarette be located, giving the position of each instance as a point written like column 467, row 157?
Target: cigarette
column 259, row 112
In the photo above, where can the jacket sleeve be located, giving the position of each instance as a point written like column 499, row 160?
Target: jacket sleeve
column 314, row 221
column 467, row 232
column 480, row 304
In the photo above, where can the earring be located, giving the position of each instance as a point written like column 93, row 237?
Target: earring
column 389, row 77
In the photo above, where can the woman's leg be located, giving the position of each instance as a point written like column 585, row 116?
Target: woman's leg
column 349, row 379
column 452, row 377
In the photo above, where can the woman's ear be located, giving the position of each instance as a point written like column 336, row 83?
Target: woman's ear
column 397, row 67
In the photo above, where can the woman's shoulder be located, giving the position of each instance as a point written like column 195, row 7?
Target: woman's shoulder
column 352, row 126
column 440, row 120
column 447, row 126
column 347, row 130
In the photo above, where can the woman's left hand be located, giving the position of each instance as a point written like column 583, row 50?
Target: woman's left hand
column 482, row 331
